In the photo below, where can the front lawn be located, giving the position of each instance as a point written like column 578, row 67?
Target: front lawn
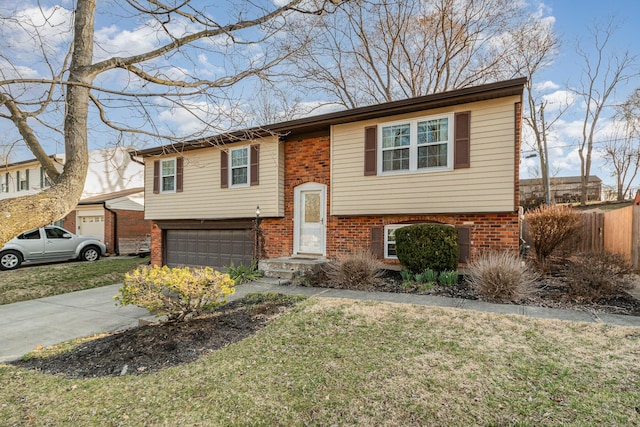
column 337, row 362
column 39, row 281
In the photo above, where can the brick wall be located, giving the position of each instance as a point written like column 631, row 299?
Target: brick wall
column 70, row 222
column 156, row 245
column 306, row 160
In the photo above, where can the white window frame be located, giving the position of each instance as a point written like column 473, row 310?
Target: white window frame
column 5, row 183
column 22, row 179
column 46, row 183
column 163, row 176
column 413, row 145
column 387, row 241
column 246, row 148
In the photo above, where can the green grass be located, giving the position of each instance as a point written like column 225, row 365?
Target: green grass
column 337, row 362
column 38, row 281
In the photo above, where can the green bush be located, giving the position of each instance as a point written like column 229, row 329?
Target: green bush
column 178, row 293
column 423, row 247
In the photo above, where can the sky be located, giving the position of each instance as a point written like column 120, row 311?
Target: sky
column 572, row 22
column 572, row 19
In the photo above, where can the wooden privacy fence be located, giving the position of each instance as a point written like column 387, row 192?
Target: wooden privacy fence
column 614, row 231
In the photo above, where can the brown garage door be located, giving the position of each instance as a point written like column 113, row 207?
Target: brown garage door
column 212, row 248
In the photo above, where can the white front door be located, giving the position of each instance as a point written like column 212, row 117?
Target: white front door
column 309, row 219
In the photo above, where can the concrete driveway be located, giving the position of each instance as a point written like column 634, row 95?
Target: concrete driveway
column 51, row 320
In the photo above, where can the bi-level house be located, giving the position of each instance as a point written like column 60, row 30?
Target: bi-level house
column 331, row 184
column 112, row 204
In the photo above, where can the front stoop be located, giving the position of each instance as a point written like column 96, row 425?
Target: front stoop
column 289, row 267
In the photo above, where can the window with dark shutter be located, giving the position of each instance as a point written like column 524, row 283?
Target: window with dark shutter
column 179, row 173
column 224, row 169
column 462, row 140
column 370, row 150
column 255, row 164
column 156, row 177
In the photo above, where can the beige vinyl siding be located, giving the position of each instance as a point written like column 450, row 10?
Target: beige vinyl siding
column 202, row 197
column 487, row 186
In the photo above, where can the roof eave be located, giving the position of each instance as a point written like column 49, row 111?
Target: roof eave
column 501, row 89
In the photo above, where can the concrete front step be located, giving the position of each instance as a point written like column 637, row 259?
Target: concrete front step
column 289, row 267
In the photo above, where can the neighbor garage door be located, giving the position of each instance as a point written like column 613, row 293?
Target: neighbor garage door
column 213, row 248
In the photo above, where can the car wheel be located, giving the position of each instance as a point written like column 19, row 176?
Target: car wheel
column 10, row 260
column 90, row 253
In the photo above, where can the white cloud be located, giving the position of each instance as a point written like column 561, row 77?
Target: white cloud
column 546, row 85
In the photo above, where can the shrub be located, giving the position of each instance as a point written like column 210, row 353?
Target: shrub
column 550, row 227
column 242, row 274
column 359, row 270
column 178, row 293
column 422, row 247
column 500, row 276
column 595, row 275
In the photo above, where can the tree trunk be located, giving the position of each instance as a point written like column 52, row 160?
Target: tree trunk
column 23, row 213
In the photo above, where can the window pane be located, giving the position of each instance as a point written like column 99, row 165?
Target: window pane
column 239, row 176
column 54, row 233
column 168, row 183
column 393, row 160
column 433, row 131
column 32, row 235
column 312, row 207
column 432, row 156
column 396, row 136
column 239, row 157
column 168, row 167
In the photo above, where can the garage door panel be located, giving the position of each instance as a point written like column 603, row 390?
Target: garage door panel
column 213, row 248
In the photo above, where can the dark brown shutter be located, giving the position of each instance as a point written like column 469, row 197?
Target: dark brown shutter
column 370, row 150
column 179, row 173
column 224, row 169
column 156, row 177
column 377, row 241
column 254, row 159
column 462, row 140
column 464, row 244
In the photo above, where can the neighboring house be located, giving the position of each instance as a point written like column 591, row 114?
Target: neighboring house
column 567, row 189
column 25, row 178
column 332, row 184
column 111, row 218
column 112, row 175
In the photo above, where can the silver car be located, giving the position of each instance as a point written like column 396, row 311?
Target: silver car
column 49, row 244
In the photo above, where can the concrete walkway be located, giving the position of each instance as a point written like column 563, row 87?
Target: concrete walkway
column 51, row 320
